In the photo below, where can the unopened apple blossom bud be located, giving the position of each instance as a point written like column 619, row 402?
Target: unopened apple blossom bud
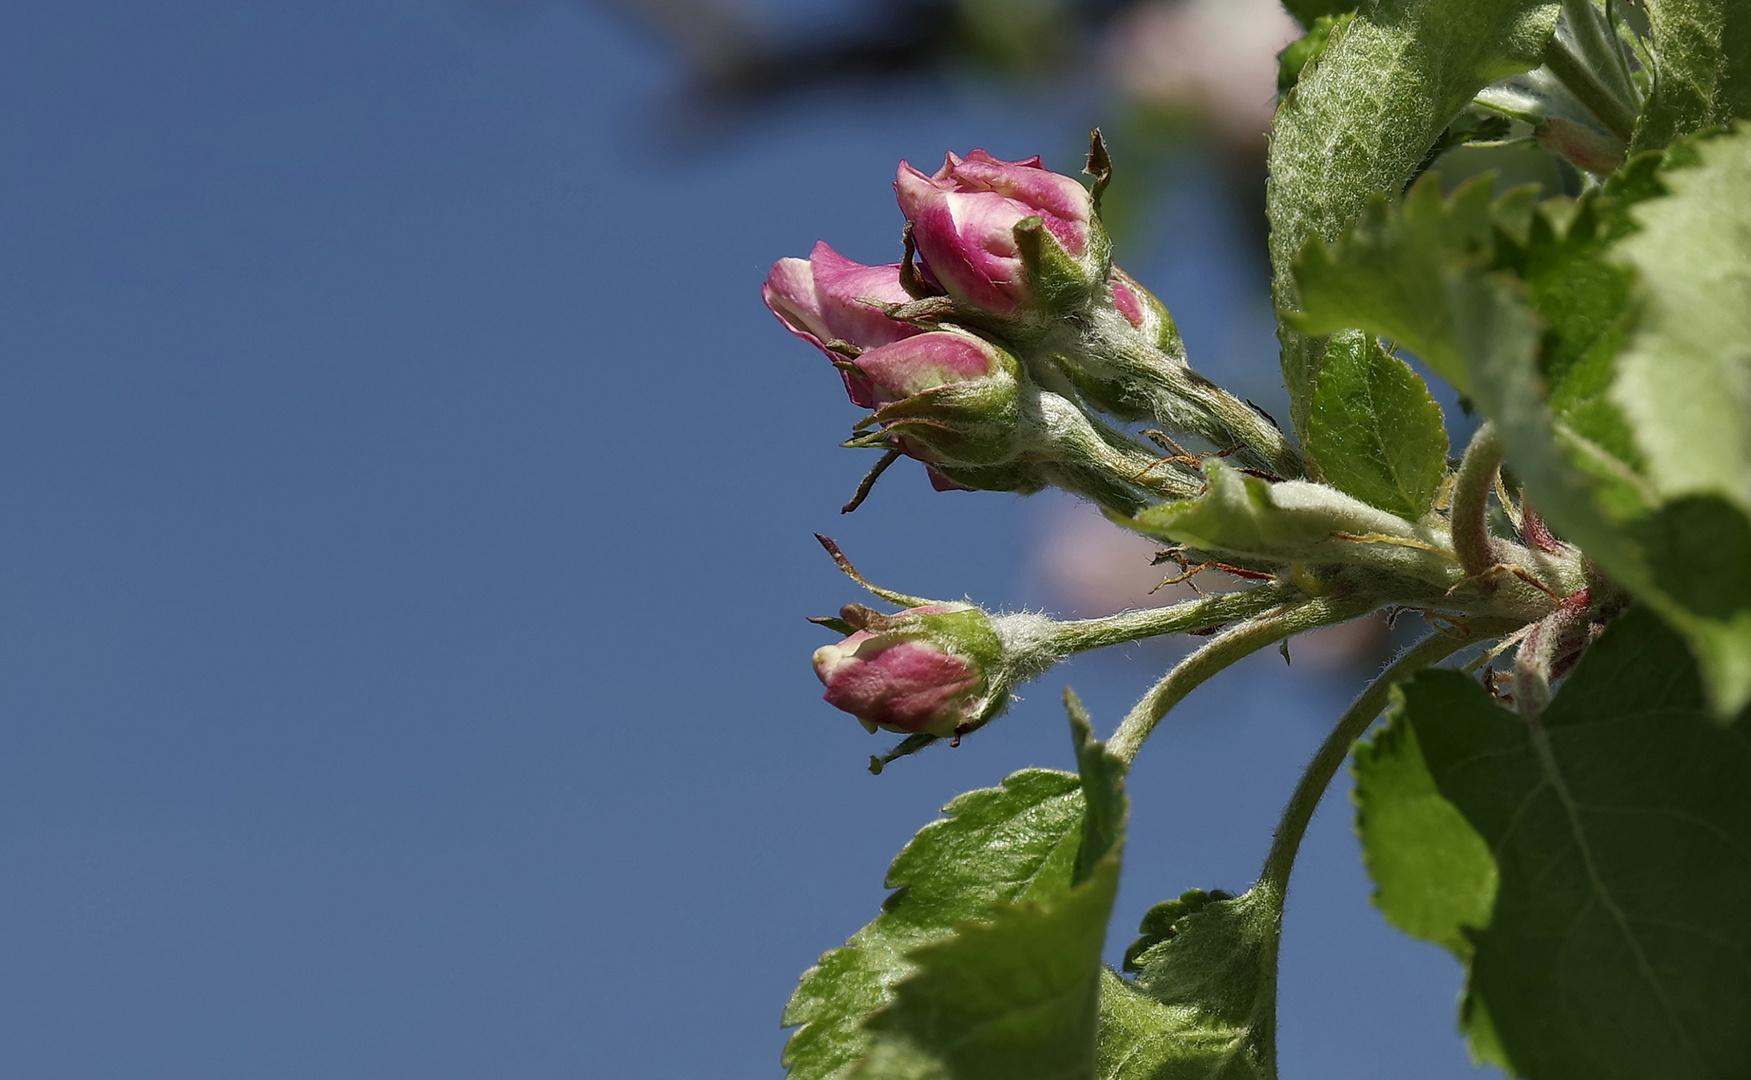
column 828, row 298
column 1146, row 314
column 1009, row 240
column 925, row 671
column 1585, row 146
column 943, row 396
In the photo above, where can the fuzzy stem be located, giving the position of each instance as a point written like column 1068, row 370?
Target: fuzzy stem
column 1331, row 753
column 1472, row 541
column 1272, row 890
column 1182, row 400
column 1081, row 635
column 1221, row 651
column 1217, row 415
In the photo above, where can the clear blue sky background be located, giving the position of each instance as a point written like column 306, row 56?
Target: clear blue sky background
column 405, row 512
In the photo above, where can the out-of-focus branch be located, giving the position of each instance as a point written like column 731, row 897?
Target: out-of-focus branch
column 733, row 54
column 717, row 38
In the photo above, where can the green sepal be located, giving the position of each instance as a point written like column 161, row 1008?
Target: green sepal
column 1061, row 283
column 966, row 632
column 966, row 423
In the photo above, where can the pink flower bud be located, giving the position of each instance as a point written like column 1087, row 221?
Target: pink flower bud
column 825, row 298
column 1585, row 147
column 964, row 222
column 914, row 672
column 1125, row 298
column 927, row 361
column 943, row 396
column 1144, row 313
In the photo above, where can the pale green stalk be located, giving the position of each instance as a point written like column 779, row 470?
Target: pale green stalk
column 1224, row 649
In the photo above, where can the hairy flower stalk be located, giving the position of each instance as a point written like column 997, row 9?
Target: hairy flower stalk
column 1127, row 358
column 1263, row 630
column 946, row 669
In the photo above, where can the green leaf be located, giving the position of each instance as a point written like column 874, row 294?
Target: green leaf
column 1159, row 922
column 1620, row 824
column 1375, row 430
column 1386, row 274
column 1433, row 875
column 1690, row 559
column 1361, row 118
column 1014, row 999
column 1204, row 1006
column 1585, row 301
column 1702, row 67
column 1685, row 382
column 1297, row 520
column 996, row 846
column 1014, row 996
column 1684, row 385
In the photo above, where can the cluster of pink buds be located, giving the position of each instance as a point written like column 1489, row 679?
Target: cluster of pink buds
column 1002, row 347
column 1005, row 352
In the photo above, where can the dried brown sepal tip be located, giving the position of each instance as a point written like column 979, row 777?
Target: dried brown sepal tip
column 1099, row 166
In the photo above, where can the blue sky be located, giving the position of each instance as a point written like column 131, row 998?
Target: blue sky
column 405, row 513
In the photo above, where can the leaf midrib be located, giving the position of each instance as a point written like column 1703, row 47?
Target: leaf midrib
column 1571, row 809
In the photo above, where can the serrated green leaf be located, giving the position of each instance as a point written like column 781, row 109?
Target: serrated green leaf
column 1204, row 1006
column 1433, row 875
column 1685, row 382
column 1684, row 386
column 996, row 846
column 1375, row 430
column 1014, row 999
column 1015, row 996
column 1687, row 558
column 1702, row 68
column 1586, row 304
column 1159, row 921
column 1250, row 518
column 1386, row 273
column 1361, row 118
column 1620, row 824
